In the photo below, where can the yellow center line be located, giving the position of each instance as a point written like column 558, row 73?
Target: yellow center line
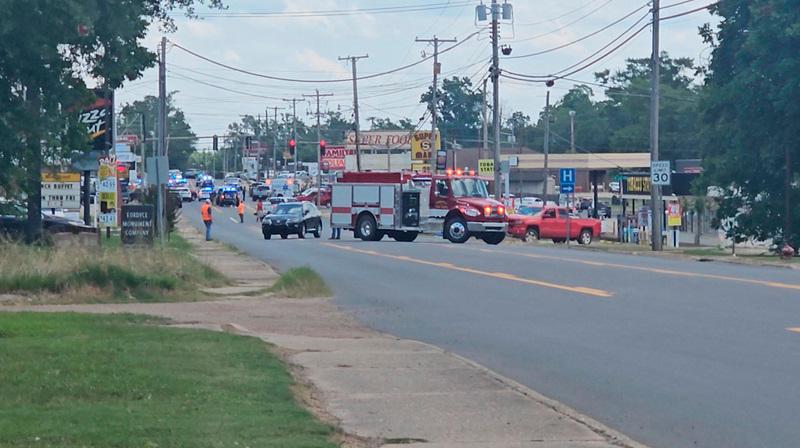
column 794, row 330
column 501, row 275
column 770, row 284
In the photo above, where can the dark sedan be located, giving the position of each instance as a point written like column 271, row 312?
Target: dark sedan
column 297, row 218
column 14, row 219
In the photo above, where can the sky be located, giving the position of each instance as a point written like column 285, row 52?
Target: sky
column 304, row 39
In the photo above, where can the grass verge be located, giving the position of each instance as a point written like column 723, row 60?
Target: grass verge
column 75, row 380
column 110, row 273
column 301, row 282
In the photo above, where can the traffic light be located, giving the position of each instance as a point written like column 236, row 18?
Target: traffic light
column 292, row 147
column 322, row 145
column 248, row 142
column 215, row 143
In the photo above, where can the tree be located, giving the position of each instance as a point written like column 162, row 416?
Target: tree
column 50, row 47
column 386, row 124
column 628, row 107
column 181, row 142
column 750, row 110
column 459, row 109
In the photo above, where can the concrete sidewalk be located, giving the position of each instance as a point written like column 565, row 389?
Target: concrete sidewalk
column 379, row 389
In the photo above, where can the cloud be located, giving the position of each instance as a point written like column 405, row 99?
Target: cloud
column 315, row 61
column 200, row 29
column 231, row 56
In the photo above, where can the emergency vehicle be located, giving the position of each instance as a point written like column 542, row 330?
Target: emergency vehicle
column 402, row 206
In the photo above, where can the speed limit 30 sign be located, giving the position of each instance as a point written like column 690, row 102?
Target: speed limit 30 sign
column 660, row 173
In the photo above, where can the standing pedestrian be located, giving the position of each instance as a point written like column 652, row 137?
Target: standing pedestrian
column 205, row 213
column 240, row 211
column 336, row 232
column 259, row 210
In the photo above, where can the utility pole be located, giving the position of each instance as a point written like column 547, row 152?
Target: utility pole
column 655, row 190
column 294, row 131
column 353, row 60
column 485, row 122
column 572, row 131
column 437, row 68
column 495, row 11
column 317, row 95
column 162, row 135
column 275, row 142
column 546, row 146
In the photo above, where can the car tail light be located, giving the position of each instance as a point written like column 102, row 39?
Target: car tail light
column 487, row 210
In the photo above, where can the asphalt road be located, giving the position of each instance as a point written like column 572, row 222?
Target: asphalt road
column 673, row 353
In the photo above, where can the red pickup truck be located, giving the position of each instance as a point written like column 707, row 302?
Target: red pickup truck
column 551, row 223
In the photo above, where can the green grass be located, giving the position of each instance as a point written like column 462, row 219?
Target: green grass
column 110, row 273
column 301, row 282
column 74, row 380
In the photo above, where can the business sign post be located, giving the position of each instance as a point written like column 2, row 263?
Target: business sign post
column 486, row 167
column 137, row 224
column 107, row 192
column 61, row 190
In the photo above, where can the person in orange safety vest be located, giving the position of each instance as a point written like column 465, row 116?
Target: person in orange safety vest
column 240, row 211
column 205, row 213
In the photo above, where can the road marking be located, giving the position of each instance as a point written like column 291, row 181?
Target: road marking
column 501, row 275
column 646, row 269
column 794, row 330
column 234, row 220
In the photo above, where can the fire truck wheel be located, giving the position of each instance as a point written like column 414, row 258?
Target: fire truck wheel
column 456, row 231
column 405, row 237
column 367, row 228
column 494, row 238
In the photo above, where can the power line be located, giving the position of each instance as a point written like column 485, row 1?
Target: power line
column 278, row 78
column 581, row 39
column 568, row 13
column 538, row 36
column 336, row 12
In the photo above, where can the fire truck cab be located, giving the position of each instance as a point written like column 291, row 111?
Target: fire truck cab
column 403, row 206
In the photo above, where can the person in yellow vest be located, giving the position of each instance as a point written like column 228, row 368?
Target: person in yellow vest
column 205, row 213
column 240, row 211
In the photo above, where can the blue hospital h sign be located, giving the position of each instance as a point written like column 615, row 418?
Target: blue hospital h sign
column 567, row 176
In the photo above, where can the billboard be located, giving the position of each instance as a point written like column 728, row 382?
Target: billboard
column 98, row 118
column 421, row 146
column 333, row 160
column 137, row 224
column 61, row 190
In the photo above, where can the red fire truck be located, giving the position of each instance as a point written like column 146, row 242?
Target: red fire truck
column 402, row 206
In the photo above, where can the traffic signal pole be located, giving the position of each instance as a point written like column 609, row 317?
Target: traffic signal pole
column 317, row 95
column 295, row 156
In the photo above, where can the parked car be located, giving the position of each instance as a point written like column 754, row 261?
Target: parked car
column 551, row 223
column 191, row 173
column 14, row 218
column 531, row 201
column 273, row 202
column 310, row 195
column 297, row 218
column 259, row 191
column 226, row 195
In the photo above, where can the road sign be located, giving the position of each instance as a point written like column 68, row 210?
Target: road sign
column 567, row 177
column 660, row 173
column 137, row 224
column 108, row 192
column 568, row 188
column 486, row 167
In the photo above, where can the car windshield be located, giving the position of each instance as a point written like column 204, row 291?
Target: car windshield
column 289, row 209
column 530, row 211
column 469, row 188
